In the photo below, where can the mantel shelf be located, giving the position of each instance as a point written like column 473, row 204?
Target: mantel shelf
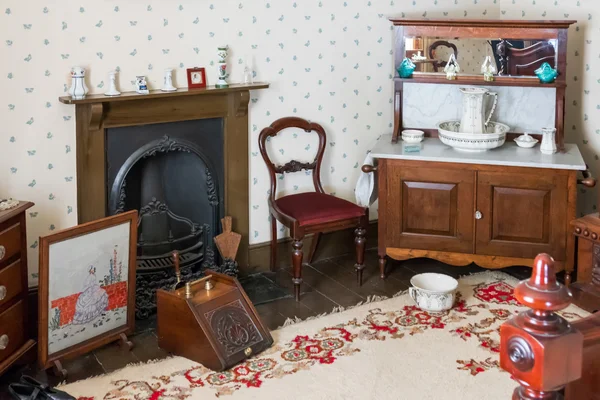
column 522, row 81
column 154, row 94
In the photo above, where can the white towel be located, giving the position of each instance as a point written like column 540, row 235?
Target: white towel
column 366, row 186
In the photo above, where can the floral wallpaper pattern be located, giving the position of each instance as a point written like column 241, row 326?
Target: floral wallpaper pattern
column 327, row 60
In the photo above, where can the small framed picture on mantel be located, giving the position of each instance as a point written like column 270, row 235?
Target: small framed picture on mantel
column 196, row 78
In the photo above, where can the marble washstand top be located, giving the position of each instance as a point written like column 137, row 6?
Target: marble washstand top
column 432, row 149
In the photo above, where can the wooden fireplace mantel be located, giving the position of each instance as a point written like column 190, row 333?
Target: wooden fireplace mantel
column 154, row 94
column 95, row 113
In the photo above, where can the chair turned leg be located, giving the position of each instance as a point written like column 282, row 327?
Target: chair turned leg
column 359, row 242
column 382, row 266
column 297, row 264
column 273, row 243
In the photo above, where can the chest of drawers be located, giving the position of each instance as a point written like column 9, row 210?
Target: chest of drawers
column 15, row 324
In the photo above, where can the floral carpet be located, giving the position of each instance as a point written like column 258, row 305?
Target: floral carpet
column 387, row 349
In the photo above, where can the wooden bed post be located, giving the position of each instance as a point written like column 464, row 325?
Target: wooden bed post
column 540, row 349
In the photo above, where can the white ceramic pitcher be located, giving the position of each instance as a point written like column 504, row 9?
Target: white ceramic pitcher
column 475, row 116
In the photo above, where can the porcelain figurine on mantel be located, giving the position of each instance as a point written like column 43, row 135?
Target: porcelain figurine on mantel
column 112, row 84
column 141, row 86
column 488, row 69
column 452, row 68
column 78, row 88
column 222, row 67
column 168, row 81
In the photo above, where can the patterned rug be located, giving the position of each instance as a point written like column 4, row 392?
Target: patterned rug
column 386, row 349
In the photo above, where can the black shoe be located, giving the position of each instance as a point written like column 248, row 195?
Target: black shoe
column 31, row 389
column 20, row 391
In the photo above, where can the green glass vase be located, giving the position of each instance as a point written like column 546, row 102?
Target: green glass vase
column 406, row 68
column 546, row 73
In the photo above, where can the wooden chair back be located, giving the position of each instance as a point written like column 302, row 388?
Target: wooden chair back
column 431, row 51
column 293, row 165
column 541, row 350
column 523, row 62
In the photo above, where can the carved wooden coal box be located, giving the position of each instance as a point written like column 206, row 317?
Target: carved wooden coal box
column 210, row 321
column 586, row 289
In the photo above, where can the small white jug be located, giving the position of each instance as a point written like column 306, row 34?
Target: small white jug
column 548, row 145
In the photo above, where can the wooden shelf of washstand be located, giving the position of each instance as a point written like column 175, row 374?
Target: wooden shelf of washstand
column 521, row 81
column 128, row 96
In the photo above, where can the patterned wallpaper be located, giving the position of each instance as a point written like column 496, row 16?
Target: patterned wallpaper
column 329, row 61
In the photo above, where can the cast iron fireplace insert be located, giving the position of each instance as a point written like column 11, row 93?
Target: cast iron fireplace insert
column 172, row 173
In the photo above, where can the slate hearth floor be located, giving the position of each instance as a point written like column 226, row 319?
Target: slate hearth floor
column 327, row 284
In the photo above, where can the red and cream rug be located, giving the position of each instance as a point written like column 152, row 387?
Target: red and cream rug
column 385, row 349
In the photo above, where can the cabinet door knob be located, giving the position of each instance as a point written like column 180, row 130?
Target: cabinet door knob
column 2, row 252
column 3, row 342
column 2, row 292
column 478, row 215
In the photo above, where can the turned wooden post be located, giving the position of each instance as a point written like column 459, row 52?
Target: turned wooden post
column 537, row 347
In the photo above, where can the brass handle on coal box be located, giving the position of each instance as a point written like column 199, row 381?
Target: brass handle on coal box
column 588, row 180
column 208, row 285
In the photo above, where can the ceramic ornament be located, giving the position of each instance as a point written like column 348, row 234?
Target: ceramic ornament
column 406, row 68
column 78, row 89
column 112, row 84
column 488, row 69
column 222, row 74
column 548, row 145
column 452, row 68
column 248, row 76
column 141, row 86
column 168, row 81
column 546, row 73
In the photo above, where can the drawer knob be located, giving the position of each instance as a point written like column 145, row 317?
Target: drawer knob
column 3, row 342
column 594, row 235
column 478, row 215
column 2, row 252
column 578, row 230
column 586, row 233
column 2, row 292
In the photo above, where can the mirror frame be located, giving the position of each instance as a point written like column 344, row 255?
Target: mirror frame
column 482, row 29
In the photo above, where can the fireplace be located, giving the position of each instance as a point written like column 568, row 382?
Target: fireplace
column 181, row 158
column 172, row 173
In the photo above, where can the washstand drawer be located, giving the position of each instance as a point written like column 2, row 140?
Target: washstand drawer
column 12, row 330
column 10, row 282
column 10, row 242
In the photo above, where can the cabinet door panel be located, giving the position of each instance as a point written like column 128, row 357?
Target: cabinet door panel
column 430, row 208
column 522, row 214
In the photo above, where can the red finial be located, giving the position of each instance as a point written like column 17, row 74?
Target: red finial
column 538, row 347
column 542, row 292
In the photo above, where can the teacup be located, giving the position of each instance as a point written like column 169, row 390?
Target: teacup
column 433, row 292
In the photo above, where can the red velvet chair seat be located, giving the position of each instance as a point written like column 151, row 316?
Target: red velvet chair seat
column 314, row 208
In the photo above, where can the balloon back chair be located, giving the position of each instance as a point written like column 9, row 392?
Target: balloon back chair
column 311, row 212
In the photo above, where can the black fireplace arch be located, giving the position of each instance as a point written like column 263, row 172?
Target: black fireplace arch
column 116, row 201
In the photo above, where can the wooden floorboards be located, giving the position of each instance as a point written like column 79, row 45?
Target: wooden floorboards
column 327, row 284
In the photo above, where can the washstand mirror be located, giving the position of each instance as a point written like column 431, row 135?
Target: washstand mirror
column 510, row 57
